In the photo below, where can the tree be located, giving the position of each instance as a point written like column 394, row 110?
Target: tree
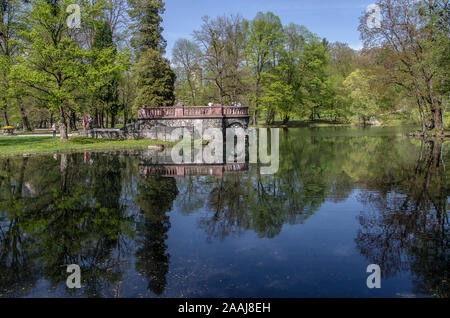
column 221, row 40
column 117, row 17
column 109, row 77
column 362, row 98
column 155, row 80
column 296, row 38
column 53, row 64
column 186, row 55
column 9, row 45
column 278, row 96
column 127, row 94
column 155, row 199
column 408, row 34
column 146, row 17
column 314, row 85
column 342, row 59
column 264, row 37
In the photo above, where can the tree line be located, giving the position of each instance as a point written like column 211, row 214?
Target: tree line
column 53, row 72
column 114, row 62
column 286, row 71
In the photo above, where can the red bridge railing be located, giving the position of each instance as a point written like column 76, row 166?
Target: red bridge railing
column 191, row 170
column 216, row 111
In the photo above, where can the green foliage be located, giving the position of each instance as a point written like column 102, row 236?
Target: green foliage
column 53, row 73
column 186, row 56
column 147, row 29
column 263, row 43
column 155, row 80
column 362, row 99
column 52, row 66
column 314, row 89
column 105, row 75
column 278, row 95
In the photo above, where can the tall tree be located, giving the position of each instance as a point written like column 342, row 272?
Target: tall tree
column 53, row 63
column 296, row 39
column 221, row 40
column 186, row 55
column 362, row 98
column 146, row 18
column 314, row 78
column 264, row 37
column 155, row 80
column 9, row 28
column 405, row 37
column 107, row 91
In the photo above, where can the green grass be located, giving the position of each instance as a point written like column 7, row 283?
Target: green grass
column 33, row 145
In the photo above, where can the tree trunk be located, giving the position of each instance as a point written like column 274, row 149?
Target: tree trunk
column 4, row 114
column 63, row 168
column 102, row 119
column 62, row 123
column 73, row 121
column 437, row 119
column 125, row 118
column 255, row 115
column 5, row 118
column 96, row 119
column 23, row 116
column 113, row 120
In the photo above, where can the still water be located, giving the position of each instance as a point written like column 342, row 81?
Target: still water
column 343, row 198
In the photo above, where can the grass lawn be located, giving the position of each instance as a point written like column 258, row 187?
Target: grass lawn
column 32, row 145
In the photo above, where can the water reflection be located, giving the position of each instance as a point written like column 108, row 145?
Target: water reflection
column 112, row 213
column 155, row 198
column 407, row 227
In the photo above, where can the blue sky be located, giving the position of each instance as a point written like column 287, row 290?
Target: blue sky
column 337, row 20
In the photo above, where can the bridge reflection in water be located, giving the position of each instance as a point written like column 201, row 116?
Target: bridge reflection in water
column 155, row 162
column 191, row 170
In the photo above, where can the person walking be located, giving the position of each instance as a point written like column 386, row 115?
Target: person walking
column 54, row 129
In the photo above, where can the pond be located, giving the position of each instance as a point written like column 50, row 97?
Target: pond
column 342, row 199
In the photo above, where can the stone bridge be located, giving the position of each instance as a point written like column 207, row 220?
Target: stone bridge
column 158, row 123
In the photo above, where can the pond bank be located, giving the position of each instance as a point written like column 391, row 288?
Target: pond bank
column 420, row 134
column 10, row 146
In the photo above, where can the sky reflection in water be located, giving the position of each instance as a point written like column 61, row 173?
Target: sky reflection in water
column 343, row 198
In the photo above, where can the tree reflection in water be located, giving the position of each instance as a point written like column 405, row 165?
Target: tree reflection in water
column 155, row 196
column 407, row 227
column 71, row 215
column 18, row 271
column 102, row 214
